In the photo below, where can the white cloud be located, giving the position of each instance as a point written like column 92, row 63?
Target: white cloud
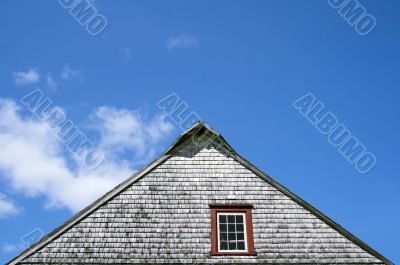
column 182, row 41
column 7, row 207
column 25, row 78
column 123, row 130
column 69, row 73
column 35, row 163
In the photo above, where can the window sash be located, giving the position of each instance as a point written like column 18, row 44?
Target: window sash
column 244, row 230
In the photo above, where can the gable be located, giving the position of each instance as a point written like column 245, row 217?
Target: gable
column 164, row 217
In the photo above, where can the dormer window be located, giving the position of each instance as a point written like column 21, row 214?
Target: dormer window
column 231, row 230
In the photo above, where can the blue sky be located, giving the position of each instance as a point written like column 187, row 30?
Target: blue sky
column 238, row 64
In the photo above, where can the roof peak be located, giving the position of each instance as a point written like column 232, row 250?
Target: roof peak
column 196, row 130
column 198, row 124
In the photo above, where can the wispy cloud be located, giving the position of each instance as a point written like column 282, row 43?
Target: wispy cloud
column 7, row 207
column 25, row 78
column 126, row 53
column 33, row 76
column 182, row 41
column 51, row 83
column 122, row 130
column 126, row 138
column 9, row 248
column 69, row 73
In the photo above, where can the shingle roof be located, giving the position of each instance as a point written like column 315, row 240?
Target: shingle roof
column 161, row 215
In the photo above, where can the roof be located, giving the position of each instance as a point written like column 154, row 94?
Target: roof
column 199, row 128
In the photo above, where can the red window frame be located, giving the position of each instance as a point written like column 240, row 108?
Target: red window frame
column 233, row 208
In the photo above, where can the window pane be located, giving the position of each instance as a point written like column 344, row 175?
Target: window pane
column 231, row 219
column 232, row 246
column 224, row 246
column 239, row 219
column 232, row 236
column 222, row 227
column 223, row 236
column 240, row 246
column 222, row 218
column 231, row 231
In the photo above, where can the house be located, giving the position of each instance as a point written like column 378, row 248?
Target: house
column 200, row 202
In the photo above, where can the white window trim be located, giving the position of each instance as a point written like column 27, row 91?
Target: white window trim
column 244, row 229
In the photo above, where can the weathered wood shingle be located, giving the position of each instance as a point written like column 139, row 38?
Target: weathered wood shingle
column 164, row 217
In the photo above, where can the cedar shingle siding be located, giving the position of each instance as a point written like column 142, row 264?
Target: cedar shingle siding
column 164, row 217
